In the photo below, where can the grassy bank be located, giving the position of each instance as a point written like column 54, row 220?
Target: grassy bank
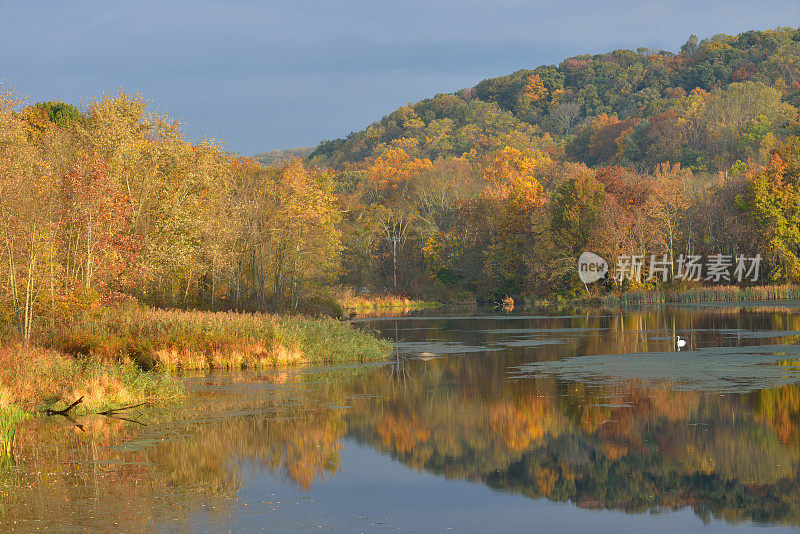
column 33, row 379
column 183, row 340
column 697, row 295
column 117, row 356
column 366, row 303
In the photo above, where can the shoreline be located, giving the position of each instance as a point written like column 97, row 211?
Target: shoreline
column 703, row 295
column 362, row 305
column 119, row 356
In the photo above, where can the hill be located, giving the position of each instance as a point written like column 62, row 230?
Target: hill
column 708, row 105
column 277, row 157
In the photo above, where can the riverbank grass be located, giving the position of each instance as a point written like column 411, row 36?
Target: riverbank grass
column 703, row 294
column 113, row 356
column 33, row 379
column 118, row 356
column 367, row 303
column 170, row 340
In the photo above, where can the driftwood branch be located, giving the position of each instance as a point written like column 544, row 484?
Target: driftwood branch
column 65, row 411
column 113, row 412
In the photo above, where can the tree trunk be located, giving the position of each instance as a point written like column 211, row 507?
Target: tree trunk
column 394, row 261
column 89, row 245
column 13, row 282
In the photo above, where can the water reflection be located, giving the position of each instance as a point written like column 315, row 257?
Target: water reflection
column 502, row 407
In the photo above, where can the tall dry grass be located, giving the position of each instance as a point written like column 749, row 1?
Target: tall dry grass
column 705, row 294
column 35, row 378
column 32, row 379
column 348, row 300
column 174, row 339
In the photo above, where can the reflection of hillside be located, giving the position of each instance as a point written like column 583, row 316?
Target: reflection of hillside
column 628, row 448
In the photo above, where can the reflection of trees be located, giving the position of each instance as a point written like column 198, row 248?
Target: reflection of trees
column 301, row 443
column 68, row 476
column 630, row 446
column 780, row 408
column 68, row 479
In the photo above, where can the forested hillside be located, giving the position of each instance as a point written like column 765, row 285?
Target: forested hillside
column 496, row 189
column 707, row 106
column 277, row 157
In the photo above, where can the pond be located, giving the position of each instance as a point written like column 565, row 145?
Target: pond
column 539, row 422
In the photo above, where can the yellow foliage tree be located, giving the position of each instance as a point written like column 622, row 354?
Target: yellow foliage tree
column 514, row 196
column 396, row 168
column 534, row 88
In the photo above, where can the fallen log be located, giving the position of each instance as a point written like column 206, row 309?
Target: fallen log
column 112, row 413
column 65, row 411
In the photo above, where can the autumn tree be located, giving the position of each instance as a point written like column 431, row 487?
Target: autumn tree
column 575, row 216
column 515, row 197
column 26, row 198
column 95, row 226
column 305, row 228
column 774, row 202
column 735, row 120
column 666, row 205
column 626, row 225
column 442, row 196
column 393, row 211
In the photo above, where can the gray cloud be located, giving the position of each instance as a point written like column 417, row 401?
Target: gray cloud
column 264, row 75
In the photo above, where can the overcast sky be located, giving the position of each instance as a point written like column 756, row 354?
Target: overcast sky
column 265, row 75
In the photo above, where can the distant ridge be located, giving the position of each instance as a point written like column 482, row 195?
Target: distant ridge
column 644, row 94
column 276, row 157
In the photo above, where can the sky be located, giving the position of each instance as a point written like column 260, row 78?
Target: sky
column 260, row 76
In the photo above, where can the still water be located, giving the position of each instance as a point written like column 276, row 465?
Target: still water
column 576, row 422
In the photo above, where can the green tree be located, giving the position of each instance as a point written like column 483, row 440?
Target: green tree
column 575, row 215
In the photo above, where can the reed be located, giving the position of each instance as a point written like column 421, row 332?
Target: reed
column 366, row 302
column 704, row 294
column 10, row 417
column 183, row 340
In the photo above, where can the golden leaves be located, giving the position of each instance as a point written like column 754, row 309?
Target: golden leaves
column 511, row 174
column 396, row 168
column 534, row 88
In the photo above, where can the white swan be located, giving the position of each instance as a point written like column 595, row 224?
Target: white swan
column 680, row 342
